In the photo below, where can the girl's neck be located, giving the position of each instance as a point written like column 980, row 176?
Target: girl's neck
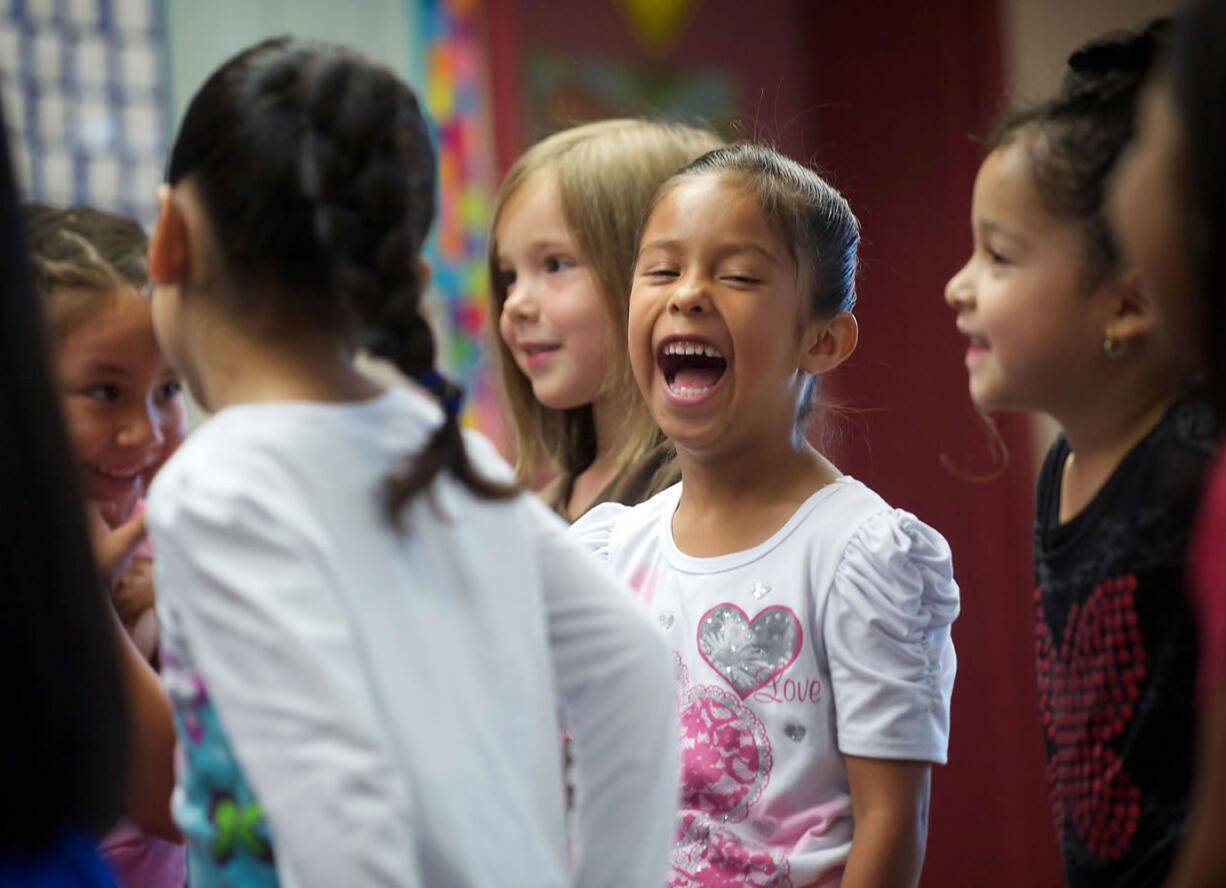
column 1100, row 437
column 612, row 424
column 238, row 366
column 738, row 500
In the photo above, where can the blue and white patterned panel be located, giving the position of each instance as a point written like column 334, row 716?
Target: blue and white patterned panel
column 85, row 100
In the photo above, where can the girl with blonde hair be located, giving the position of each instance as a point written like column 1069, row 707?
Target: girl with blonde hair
column 563, row 235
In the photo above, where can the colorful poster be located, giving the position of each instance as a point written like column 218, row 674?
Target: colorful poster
column 564, row 90
column 454, row 87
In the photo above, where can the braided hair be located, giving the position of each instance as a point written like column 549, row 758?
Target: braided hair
column 316, row 170
column 1075, row 137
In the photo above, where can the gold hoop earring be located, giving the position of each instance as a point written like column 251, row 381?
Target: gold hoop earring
column 1113, row 347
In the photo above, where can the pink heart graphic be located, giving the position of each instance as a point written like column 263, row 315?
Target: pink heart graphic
column 748, row 653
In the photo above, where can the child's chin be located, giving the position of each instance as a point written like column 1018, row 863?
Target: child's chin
column 996, row 404
column 116, row 510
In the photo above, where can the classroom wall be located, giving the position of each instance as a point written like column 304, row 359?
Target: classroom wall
column 200, row 36
column 1040, row 34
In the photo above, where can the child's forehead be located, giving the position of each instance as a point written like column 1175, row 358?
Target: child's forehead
column 1006, row 185
column 729, row 184
column 713, row 205
column 118, row 323
column 537, row 195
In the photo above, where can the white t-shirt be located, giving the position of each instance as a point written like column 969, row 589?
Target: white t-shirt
column 363, row 706
column 832, row 637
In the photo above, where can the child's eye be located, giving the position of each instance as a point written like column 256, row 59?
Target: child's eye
column 169, row 390
column 660, row 273
column 558, row 263
column 506, row 278
column 107, row 391
column 744, row 279
column 997, row 258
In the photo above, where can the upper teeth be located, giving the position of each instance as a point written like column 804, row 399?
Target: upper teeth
column 119, row 475
column 692, row 348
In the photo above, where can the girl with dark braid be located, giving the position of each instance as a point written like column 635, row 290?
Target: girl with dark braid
column 367, row 630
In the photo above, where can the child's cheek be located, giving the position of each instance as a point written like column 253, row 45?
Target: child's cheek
column 175, row 430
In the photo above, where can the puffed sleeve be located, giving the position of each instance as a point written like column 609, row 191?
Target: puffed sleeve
column 594, row 531
column 887, row 637
column 248, row 590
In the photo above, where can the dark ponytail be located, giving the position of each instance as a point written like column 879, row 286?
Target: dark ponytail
column 317, row 172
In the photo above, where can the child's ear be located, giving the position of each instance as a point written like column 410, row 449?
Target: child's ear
column 1131, row 309
column 424, row 272
column 829, row 342
column 169, row 248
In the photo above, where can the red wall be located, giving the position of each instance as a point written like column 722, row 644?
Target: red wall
column 884, row 97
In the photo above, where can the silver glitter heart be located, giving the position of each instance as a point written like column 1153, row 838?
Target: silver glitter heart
column 666, row 620
column 760, row 590
column 747, row 654
column 795, row 732
column 765, row 827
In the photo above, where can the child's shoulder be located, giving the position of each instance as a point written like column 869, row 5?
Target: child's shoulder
column 888, row 561
column 597, row 529
column 1179, row 455
column 1188, row 431
column 863, row 526
column 1168, row 466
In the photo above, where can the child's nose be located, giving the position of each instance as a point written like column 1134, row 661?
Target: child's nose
column 142, row 430
column 689, row 296
column 521, row 301
column 959, row 292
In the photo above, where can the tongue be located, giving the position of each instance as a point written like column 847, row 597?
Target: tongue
column 696, row 377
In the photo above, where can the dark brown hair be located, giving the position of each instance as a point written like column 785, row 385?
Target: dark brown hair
column 1198, row 76
column 317, row 174
column 1074, row 138
column 63, row 755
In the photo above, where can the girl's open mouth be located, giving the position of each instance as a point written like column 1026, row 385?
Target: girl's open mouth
column 690, row 367
column 106, row 483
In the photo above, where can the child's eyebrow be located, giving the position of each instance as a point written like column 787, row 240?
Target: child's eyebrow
column 667, row 244
column 750, row 247
column 107, row 368
column 542, row 244
column 552, row 242
column 987, row 228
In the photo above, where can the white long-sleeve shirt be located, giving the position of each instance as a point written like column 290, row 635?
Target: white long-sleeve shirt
column 359, row 705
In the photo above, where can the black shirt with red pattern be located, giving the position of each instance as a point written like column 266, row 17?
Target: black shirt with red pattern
column 1115, row 647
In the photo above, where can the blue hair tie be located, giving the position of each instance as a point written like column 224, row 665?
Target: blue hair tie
column 449, row 394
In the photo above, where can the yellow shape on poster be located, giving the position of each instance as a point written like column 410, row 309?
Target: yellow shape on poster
column 657, row 24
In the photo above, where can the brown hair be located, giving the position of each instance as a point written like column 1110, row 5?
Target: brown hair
column 79, row 257
column 606, row 173
column 1074, row 138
